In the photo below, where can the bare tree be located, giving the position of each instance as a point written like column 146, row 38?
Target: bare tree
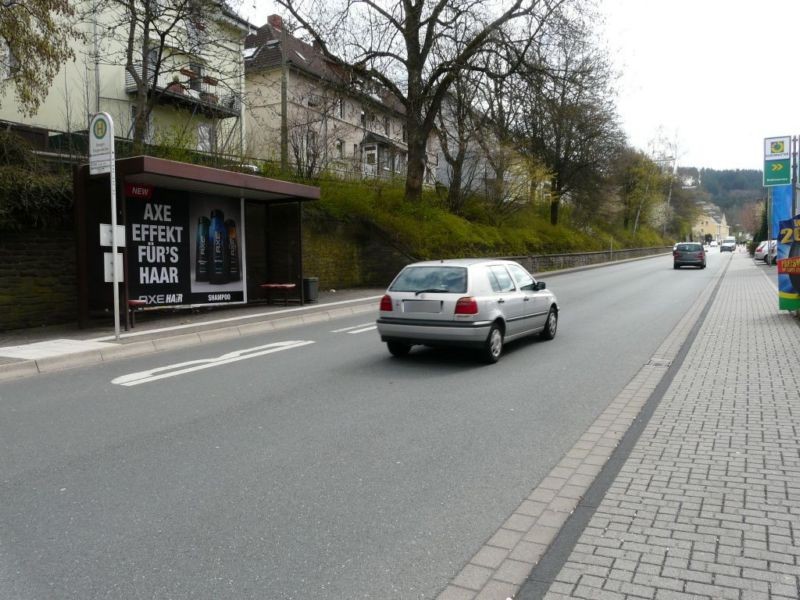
column 310, row 140
column 414, row 48
column 457, row 128
column 170, row 41
column 496, row 136
column 640, row 185
column 569, row 119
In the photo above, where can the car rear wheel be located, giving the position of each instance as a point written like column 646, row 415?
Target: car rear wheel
column 676, row 266
column 551, row 325
column 493, row 347
column 398, row 349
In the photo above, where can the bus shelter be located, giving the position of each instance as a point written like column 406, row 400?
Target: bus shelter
column 190, row 236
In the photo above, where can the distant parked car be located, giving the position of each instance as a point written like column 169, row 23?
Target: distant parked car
column 473, row 303
column 689, row 253
column 713, row 244
column 761, row 252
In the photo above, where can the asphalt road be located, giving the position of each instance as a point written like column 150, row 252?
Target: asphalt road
column 321, row 471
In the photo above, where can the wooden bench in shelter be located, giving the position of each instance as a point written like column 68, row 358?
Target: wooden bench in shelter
column 281, row 288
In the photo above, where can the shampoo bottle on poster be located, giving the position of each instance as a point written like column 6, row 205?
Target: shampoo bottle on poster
column 201, row 250
column 233, row 251
column 218, row 239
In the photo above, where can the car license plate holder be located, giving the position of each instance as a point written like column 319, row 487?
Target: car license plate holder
column 422, row 306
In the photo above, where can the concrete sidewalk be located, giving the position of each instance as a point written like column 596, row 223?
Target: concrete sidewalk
column 707, row 504
column 46, row 349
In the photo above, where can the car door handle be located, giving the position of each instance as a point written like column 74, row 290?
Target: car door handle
column 526, row 299
column 501, row 301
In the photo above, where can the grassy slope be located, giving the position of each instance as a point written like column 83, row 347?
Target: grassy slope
column 427, row 230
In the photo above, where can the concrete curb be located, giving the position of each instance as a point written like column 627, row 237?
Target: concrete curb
column 27, row 368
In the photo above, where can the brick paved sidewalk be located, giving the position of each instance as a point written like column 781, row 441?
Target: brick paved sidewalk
column 707, row 505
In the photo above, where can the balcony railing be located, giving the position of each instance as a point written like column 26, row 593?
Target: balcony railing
column 202, row 93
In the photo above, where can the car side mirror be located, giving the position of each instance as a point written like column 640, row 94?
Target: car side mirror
column 540, row 286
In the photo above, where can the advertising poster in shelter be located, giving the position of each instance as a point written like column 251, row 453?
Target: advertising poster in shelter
column 789, row 264
column 183, row 249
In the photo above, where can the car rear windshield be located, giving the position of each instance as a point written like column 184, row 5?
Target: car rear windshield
column 431, row 279
column 690, row 248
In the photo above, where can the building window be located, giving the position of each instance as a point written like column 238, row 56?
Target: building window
column 205, row 137
column 340, row 148
column 8, row 62
column 405, row 134
column 195, row 32
column 371, row 155
column 340, row 107
column 355, row 150
column 386, row 125
column 312, row 144
column 196, row 80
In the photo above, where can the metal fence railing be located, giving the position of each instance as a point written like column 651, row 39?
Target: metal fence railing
column 552, row 262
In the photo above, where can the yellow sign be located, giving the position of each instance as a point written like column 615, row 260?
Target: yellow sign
column 777, row 148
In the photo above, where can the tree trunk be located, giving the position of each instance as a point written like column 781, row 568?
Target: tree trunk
column 416, row 168
column 454, row 194
column 555, row 201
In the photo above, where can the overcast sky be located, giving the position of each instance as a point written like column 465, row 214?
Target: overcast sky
column 715, row 73
column 712, row 75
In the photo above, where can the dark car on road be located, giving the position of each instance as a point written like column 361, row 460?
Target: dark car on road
column 689, row 253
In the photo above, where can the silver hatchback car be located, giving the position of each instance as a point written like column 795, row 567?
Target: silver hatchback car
column 474, row 303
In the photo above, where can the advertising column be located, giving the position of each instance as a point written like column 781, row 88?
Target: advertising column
column 789, row 264
column 778, row 177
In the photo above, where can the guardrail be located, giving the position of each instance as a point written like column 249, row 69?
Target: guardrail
column 553, row 262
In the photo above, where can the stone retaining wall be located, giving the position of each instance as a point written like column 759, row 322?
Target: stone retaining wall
column 38, row 279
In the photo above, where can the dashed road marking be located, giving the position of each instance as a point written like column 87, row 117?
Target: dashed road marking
column 370, row 328
column 370, row 325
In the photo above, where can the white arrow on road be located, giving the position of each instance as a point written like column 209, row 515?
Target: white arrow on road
column 205, row 363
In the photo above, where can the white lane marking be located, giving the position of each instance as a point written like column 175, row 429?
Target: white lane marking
column 205, row 363
column 370, row 328
column 352, row 327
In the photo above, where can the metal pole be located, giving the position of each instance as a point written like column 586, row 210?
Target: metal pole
column 769, row 217
column 96, row 61
column 794, row 175
column 115, row 277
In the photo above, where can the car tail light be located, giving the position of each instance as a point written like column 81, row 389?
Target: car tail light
column 674, row 253
column 467, row 306
column 386, row 303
